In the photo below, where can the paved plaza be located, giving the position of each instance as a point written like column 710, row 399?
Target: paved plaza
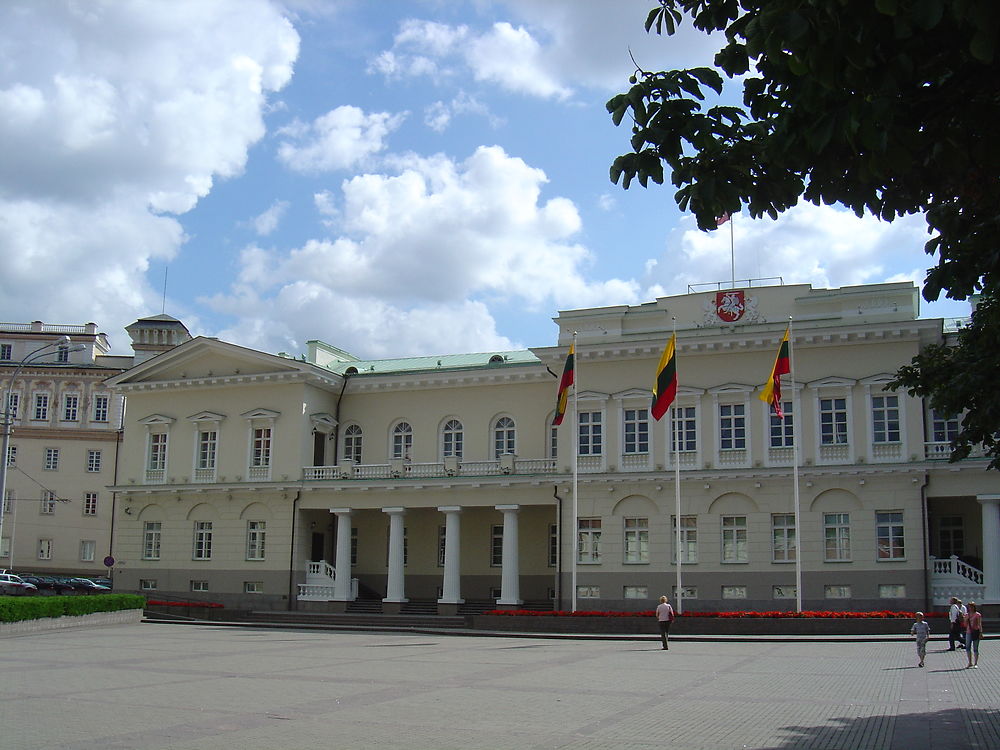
column 205, row 687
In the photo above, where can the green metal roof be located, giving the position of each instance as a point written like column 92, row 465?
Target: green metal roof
column 482, row 360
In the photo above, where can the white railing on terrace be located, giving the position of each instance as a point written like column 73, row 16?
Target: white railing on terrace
column 45, row 328
column 636, row 462
column 952, row 577
column 942, row 451
column 320, row 585
column 204, row 475
column 258, row 473
column 429, row 470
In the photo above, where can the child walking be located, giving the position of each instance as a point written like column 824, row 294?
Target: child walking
column 922, row 631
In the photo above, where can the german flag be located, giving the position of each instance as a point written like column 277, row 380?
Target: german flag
column 771, row 393
column 564, row 383
column 665, row 386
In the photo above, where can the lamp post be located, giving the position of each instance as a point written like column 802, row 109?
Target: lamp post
column 8, row 419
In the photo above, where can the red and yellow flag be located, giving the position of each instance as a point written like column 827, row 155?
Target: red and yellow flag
column 665, row 385
column 564, row 384
column 771, row 393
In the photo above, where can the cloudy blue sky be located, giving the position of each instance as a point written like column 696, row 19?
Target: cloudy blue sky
column 395, row 178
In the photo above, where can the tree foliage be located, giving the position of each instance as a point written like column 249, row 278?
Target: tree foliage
column 888, row 107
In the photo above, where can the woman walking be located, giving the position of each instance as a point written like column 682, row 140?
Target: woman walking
column 973, row 632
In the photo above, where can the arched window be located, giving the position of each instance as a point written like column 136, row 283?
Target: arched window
column 402, row 440
column 503, row 437
column 452, row 438
column 352, row 443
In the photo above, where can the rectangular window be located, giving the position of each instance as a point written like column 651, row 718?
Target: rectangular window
column 51, row 459
column 588, row 545
column 255, row 539
column 885, row 419
column 93, row 461
column 147, row 584
column 783, row 546
column 13, row 401
column 157, row 451
column 101, row 408
column 734, row 539
column 891, row 591
column 553, row 442
column 90, row 503
column 62, row 354
column 689, row 539
column 207, row 442
column 588, row 592
column 496, row 546
column 11, row 455
column 784, row 592
column 6, row 351
column 44, row 549
column 71, row 407
column 782, row 430
column 553, row 545
column 8, row 499
column 690, row 592
column 253, row 587
column 636, row 540
column 837, row 536
column 261, row 446
column 88, row 548
column 951, row 536
column 837, row 592
column 734, row 592
column 889, row 535
column 354, row 546
column 442, row 540
column 591, row 436
column 41, row 407
column 635, row 592
column 5, row 547
column 833, row 421
column 202, row 540
column 151, row 540
column 685, row 429
column 636, row 423
column 732, row 427
column 199, row 585
column 944, row 429
column 48, row 504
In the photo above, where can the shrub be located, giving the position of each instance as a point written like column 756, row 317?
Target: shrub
column 18, row 608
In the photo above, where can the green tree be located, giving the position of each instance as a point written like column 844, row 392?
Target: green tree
column 888, row 107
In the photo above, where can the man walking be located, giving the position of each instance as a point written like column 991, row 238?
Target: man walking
column 956, row 623
column 665, row 616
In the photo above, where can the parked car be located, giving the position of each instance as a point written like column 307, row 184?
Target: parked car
column 13, row 585
column 87, row 586
column 49, row 583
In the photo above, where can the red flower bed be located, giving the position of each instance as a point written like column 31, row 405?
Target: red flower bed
column 731, row 615
column 154, row 603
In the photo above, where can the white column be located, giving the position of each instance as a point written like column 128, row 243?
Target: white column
column 451, row 586
column 991, row 546
column 394, row 586
column 510, row 593
column 342, row 564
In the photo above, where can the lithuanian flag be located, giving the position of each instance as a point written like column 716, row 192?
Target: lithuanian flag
column 564, row 383
column 771, row 393
column 665, row 386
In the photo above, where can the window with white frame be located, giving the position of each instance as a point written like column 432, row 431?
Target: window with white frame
column 635, row 592
column 48, row 505
column 41, row 412
column 889, row 540
column 62, row 354
column 891, row 591
column 51, row 459
column 94, row 461
column 588, row 544
column 5, row 547
column 833, row 421
column 8, row 500
column 782, row 431
column 734, row 592
column 591, row 433
column 44, row 549
column 690, row 592
column 553, row 443
column 256, row 531
column 260, row 455
column 157, row 458
column 352, row 443
column 689, row 539
column 208, row 445
column 88, row 548
column 6, row 352
column 784, row 592
column 253, row 587
column 732, row 427
column 202, row 541
column 199, row 585
column 588, row 592
column 71, row 407
column 734, row 539
column 13, row 401
column 11, row 455
column 504, row 437
column 402, row 440
column 635, row 423
column 90, row 503
column 553, row 545
column 496, row 545
column 452, row 437
column 685, row 431
column 636, row 542
column 151, row 531
column 951, row 536
column 837, row 536
column 441, row 545
column 885, row 419
column 147, row 584
column 783, row 547
column 944, row 429
column 101, row 403
column 837, row 591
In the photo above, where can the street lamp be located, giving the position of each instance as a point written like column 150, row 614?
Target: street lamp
column 8, row 421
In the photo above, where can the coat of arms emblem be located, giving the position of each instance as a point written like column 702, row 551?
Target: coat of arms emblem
column 730, row 306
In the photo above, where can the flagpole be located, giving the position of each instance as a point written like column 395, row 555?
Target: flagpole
column 732, row 248
column 675, row 455
column 796, row 419
column 575, row 438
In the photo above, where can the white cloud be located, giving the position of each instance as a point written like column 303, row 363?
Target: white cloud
column 513, row 58
column 341, row 138
column 438, row 115
column 121, row 114
column 265, row 223
column 437, row 240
